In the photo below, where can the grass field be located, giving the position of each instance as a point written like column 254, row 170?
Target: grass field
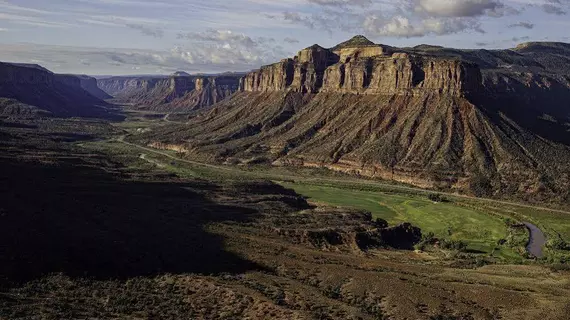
column 479, row 230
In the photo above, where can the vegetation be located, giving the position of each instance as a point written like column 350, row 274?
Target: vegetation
column 445, row 220
column 156, row 236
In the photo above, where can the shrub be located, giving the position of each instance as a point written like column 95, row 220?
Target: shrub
column 558, row 244
column 481, row 185
column 436, row 197
column 454, row 245
column 427, row 239
column 381, row 223
column 560, row 267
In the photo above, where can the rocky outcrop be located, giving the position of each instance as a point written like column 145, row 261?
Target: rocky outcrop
column 179, row 92
column 368, row 69
column 334, row 229
column 40, row 89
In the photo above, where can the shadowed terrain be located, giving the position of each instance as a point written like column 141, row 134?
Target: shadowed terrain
column 92, row 234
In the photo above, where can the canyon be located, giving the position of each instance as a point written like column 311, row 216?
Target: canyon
column 487, row 122
column 362, row 181
column 179, row 92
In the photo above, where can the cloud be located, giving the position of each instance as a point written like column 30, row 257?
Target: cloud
column 552, row 9
column 401, row 18
column 209, row 57
column 31, row 20
column 295, row 17
column 526, row 25
column 218, row 46
column 341, row 3
column 457, row 8
column 147, row 31
column 220, row 35
column 400, row 26
column 519, row 39
column 291, row 40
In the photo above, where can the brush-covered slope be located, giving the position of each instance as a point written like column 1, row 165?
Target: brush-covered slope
column 179, row 92
column 31, row 89
column 434, row 118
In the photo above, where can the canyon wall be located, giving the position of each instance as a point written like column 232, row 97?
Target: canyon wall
column 12, row 73
column 89, row 84
column 174, row 93
column 117, row 86
column 367, row 70
column 32, row 87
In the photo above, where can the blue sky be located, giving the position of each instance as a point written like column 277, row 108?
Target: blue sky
column 147, row 37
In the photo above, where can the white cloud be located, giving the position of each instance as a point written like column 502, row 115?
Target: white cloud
column 400, row 26
column 31, row 20
column 147, row 31
column 457, row 8
column 204, row 58
column 221, row 35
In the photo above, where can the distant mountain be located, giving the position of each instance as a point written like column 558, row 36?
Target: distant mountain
column 178, row 92
column 180, row 74
column 31, row 89
column 489, row 122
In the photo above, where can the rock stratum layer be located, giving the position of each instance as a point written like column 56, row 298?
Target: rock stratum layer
column 179, row 92
column 316, row 70
column 29, row 90
column 492, row 123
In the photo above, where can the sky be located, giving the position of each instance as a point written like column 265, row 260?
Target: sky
column 121, row 37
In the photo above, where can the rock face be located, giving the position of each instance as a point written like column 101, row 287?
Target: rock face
column 179, row 92
column 123, row 86
column 32, row 87
column 491, row 123
column 371, row 69
column 89, row 84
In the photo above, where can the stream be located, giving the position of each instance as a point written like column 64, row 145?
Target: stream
column 536, row 241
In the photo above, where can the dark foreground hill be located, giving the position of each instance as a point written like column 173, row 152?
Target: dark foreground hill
column 28, row 90
column 490, row 122
column 177, row 93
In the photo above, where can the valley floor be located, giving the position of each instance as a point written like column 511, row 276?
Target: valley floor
column 94, row 227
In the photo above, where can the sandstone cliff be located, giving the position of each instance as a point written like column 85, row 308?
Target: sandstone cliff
column 28, row 88
column 179, row 92
column 372, row 69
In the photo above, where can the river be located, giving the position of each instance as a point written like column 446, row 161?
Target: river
column 537, row 240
